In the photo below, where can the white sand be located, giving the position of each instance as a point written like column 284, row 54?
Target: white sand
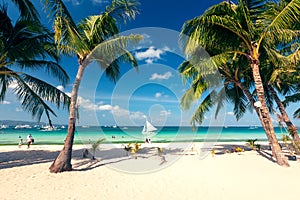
column 247, row 175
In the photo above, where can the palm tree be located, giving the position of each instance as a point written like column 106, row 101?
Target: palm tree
column 27, row 46
column 95, row 38
column 232, row 31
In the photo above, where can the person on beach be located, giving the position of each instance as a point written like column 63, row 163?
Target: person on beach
column 148, row 141
column 29, row 141
column 20, row 143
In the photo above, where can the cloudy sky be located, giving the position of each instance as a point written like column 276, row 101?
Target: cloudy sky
column 152, row 91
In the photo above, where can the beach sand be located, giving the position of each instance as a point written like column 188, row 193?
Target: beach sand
column 189, row 174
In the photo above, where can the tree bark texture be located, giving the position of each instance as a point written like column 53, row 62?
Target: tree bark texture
column 285, row 118
column 63, row 160
column 265, row 115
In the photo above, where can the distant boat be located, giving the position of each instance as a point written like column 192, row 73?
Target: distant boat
column 148, row 129
column 26, row 126
column 253, row 127
column 85, row 126
column 2, row 126
column 62, row 126
column 48, row 128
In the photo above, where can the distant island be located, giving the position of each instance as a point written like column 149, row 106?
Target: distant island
column 16, row 122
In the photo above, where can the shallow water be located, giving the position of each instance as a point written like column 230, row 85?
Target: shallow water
column 133, row 134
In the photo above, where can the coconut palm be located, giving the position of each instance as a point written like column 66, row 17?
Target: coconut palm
column 232, row 31
column 95, row 38
column 27, row 46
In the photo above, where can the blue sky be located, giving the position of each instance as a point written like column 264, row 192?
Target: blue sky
column 154, row 91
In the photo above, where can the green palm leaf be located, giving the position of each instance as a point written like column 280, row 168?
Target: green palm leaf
column 27, row 9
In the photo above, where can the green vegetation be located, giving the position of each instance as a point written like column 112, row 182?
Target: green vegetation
column 27, row 46
column 96, row 146
column 245, row 62
column 93, row 39
column 252, row 144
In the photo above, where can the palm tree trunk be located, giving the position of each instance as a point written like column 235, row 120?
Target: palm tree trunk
column 291, row 127
column 265, row 115
column 63, row 160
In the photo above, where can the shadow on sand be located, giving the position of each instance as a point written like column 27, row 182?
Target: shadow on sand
column 114, row 155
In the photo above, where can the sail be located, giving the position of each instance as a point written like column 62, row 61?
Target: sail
column 148, row 128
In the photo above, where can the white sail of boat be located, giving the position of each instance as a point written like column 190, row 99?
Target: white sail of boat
column 148, row 129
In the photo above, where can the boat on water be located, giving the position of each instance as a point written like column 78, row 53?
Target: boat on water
column 253, row 127
column 149, row 130
column 3, row 126
column 25, row 126
column 48, row 128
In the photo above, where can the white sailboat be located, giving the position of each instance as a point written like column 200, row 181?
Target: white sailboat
column 149, row 129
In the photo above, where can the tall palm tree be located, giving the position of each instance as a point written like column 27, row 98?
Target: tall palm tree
column 95, row 38
column 230, row 30
column 27, row 46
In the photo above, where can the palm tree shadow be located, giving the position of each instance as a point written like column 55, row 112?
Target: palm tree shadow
column 21, row 158
column 116, row 155
column 224, row 148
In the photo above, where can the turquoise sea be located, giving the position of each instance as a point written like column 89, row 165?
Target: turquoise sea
column 10, row 136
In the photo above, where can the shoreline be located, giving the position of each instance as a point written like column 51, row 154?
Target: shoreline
column 175, row 175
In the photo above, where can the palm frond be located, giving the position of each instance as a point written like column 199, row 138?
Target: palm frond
column 280, row 18
column 206, row 104
column 46, row 91
column 297, row 113
column 123, row 9
column 57, row 8
column 108, row 51
column 292, row 98
column 187, row 99
column 237, row 97
column 220, row 101
column 5, row 80
column 27, row 9
column 5, row 22
column 31, row 101
column 51, row 68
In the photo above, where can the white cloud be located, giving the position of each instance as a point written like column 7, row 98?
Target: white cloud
column 137, row 115
column 165, row 112
column 164, row 76
column 104, row 107
column 116, row 110
column 60, row 87
column 5, row 102
column 149, row 61
column 158, row 94
column 145, row 42
column 97, row 2
column 151, row 54
column 13, row 85
column 230, row 113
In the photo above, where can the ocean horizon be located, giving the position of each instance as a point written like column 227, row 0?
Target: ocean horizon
column 113, row 134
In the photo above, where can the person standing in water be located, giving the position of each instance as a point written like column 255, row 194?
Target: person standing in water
column 29, row 141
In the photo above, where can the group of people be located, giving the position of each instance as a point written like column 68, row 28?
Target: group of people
column 29, row 141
